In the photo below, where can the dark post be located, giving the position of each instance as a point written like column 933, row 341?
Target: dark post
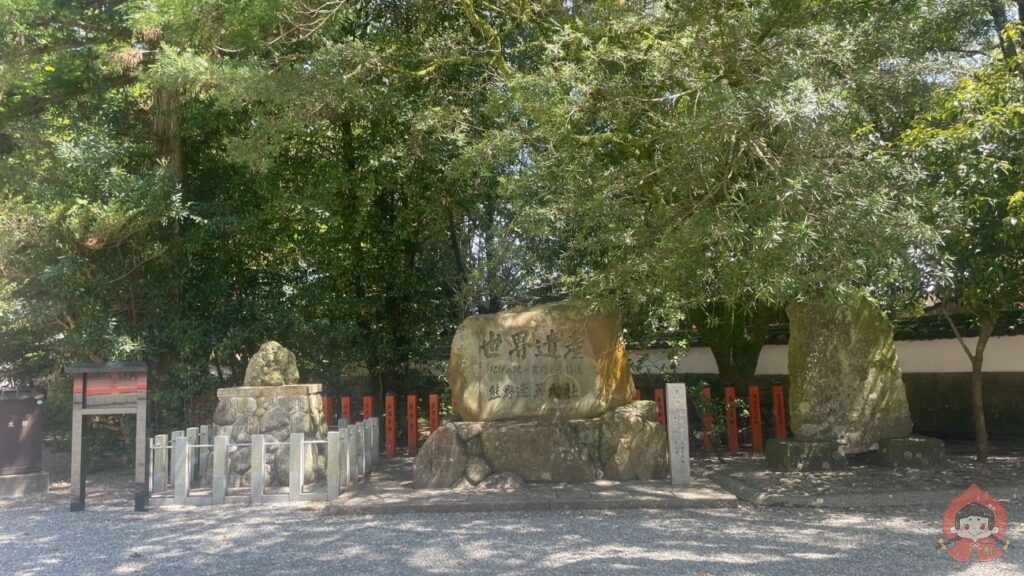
column 756, row 431
column 412, row 424
column 389, row 426
column 732, row 426
column 709, row 420
column 779, row 407
column 435, row 413
column 659, row 399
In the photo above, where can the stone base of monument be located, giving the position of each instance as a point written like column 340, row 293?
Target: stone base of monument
column 626, row 443
column 276, row 412
column 910, row 452
column 800, row 456
column 17, row 485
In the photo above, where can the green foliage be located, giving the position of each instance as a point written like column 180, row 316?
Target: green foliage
column 182, row 180
column 966, row 154
column 669, row 156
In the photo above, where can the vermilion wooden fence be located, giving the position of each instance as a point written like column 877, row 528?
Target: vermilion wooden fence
column 756, row 433
column 779, row 402
column 367, row 407
column 659, row 399
column 435, row 413
column 754, row 418
column 709, row 422
column 412, row 425
column 389, row 426
column 731, row 422
column 346, row 409
column 329, row 410
column 752, row 437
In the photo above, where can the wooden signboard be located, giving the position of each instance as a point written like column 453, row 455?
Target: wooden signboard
column 105, row 389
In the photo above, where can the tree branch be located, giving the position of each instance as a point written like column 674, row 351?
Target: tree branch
column 489, row 34
column 956, row 331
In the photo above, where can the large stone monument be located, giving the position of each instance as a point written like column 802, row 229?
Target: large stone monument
column 846, row 390
column 552, row 362
column 546, row 396
column 271, row 402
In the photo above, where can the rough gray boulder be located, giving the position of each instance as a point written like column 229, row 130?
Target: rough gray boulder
column 633, row 444
column 272, row 365
column 502, row 481
column 542, row 451
column 845, row 381
column 623, row 444
column 441, row 461
column 477, row 469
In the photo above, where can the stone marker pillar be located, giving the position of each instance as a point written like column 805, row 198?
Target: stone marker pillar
column 678, row 434
column 160, row 461
column 181, row 471
column 219, row 479
column 346, row 458
column 333, row 465
column 258, row 466
column 295, row 475
column 353, row 454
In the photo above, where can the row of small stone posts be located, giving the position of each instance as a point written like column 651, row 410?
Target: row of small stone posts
column 182, row 465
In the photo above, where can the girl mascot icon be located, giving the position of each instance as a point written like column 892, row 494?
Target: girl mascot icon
column 974, row 523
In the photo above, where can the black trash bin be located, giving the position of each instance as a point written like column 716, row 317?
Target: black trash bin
column 21, row 431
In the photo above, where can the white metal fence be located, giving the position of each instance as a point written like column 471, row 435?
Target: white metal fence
column 190, row 467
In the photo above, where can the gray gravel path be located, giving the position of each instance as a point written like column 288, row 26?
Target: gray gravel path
column 39, row 536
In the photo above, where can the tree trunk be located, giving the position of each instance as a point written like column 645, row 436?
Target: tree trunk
column 977, row 358
column 166, row 130
column 735, row 338
column 997, row 9
column 977, row 397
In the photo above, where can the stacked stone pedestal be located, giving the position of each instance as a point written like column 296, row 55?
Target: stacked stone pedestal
column 801, row 456
column 276, row 412
column 910, row 452
column 626, row 443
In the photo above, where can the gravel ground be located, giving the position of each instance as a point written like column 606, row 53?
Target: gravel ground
column 1005, row 468
column 38, row 535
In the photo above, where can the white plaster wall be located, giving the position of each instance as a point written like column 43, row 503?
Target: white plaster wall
column 1003, row 354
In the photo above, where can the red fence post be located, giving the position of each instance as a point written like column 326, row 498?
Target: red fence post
column 389, row 426
column 659, row 399
column 732, row 426
column 346, row 409
column 756, row 432
column 413, row 425
column 637, row 394
column 367, row 407
column 435, row 413
column 328, row 410
column 709, row 421
column 779, row 404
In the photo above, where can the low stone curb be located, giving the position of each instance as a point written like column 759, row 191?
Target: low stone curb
column 576, row 498
column 525, row 506
column 753, row 495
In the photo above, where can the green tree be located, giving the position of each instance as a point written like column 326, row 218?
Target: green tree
column 712, row 158
column 966, row 155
